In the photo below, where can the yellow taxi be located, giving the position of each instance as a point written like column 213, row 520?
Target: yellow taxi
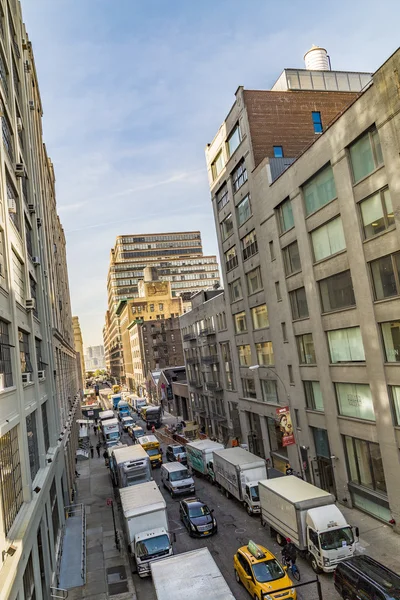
column 261, row 574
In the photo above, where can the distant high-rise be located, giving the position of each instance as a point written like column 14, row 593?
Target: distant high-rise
column 94, row 358
column 178, row 258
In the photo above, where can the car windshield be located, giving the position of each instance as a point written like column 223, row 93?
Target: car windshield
column 198, row 510
column 138, row 433
column 178, row 475
column 179, row 450
column 336, row 538
column 153, row 451
column 156, row 546
column 268, row 570
column 254, row 493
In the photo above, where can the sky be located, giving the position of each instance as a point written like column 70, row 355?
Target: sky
column 133, row 90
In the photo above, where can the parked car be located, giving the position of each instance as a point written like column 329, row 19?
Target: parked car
column 363, row 577
column 135, row 432
column 257, row 569
column 197, row 517
column 175, row 452
column 127, row 422
column 177, row 479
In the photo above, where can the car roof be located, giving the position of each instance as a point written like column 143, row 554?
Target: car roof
column 193, row 501
column 383, row 577
column 252, row 560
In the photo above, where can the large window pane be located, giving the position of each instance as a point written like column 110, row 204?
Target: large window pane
column 346, row 345
column 265, row 354
column 244, row 355
column 391, row 340
column 218, row 165
column 355, row 400
column 313, row 395
column 227, row 227
column 249, row 388
column 365, row 155
column 240, row 322
column 363, row 463
column 298, row 301
column 395, row 394
column 319, row 190
column 32, row 444
column 6, row 378
column 351, row 458
column 285, row 216
column 234, row 140
column 269, row 390
column 259, row 315
column 222, row 197
column 235, row 290
column 328, row 239
column 10, row 477
column 377, row 468
column 243, row 211
column 305, row 347
column 291, row 258
column 239, row 176
column 373, row 215
column 337, row 292
column 384, row 278
column 254, row 283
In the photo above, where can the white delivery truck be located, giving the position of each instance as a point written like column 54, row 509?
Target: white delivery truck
column 238, row 472
column 193, row 575
column 129, row 465
column 199, row 454
column 106, row 414
column 308, row 516
column 138, row 403
column 176, row 478
column 146, row 525
column 111, row 431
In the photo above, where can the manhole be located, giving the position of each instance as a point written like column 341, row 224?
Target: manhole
column 118, row 588
column 240, row 530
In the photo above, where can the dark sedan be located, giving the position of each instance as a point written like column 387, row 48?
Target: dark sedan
column 197, row 518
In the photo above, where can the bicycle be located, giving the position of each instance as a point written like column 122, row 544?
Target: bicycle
column 292, row 567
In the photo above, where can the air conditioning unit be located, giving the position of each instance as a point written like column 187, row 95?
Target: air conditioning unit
column 36, row 260
column 31, row 104
column 45, row 273
column 20, row 124
column 12, row 205
column 26, row 378
column 41, row 374
column 30, row 303
column 39, row 222
column 25, row 43
column 31, row 208
column 27, row 66
column 19, row 170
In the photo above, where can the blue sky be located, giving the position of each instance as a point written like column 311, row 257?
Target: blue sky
column 134, row 89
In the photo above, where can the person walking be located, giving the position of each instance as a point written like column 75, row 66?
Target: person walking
column 95, row 429
column 91, row 450
column 98, row 449
column 106, row 458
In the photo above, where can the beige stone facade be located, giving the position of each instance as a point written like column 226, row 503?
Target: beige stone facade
column 78, row 345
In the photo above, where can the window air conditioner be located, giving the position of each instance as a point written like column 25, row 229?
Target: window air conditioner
column 41, row 374
column 31, row 208
column 39, row 222
column 31, row 105
column 26, row 378
column 20, row 124
column 30, row 304
column 45, row 273
column 19, row 170
column 36, row 260
column 12, row 205
column 27, row 66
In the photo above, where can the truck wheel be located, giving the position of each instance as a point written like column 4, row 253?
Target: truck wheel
column 249, row 511
column 315, row 566
column 280, row 539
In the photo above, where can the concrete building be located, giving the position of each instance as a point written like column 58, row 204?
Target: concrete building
column 313, row 297
column 150, row 330
column 78, row 345
column 38, row 370
column 178, row 258
column 95, row 358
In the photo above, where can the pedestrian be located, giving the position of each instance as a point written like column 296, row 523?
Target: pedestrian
column 91, row 450
column 153, row 429
column 289, row 470
column 95, row 429
column 106, row 458
column 98, row 449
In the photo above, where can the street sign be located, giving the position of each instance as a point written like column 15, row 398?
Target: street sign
column 109, row 501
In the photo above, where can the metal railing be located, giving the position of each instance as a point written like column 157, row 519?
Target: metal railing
column 213, row 386
column 210, row 359
column 250, row 250
column 207, row 331
column 74, row 510
column 58, row 593
column 189, row 336
column 231, row 263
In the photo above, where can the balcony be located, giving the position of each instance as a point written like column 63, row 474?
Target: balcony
column 250, row 250
column 212, row 359
column 231, row 263
column 192, row 360
column 207, row 331
column 195, row 383
column 213, row 386
column 189, row 336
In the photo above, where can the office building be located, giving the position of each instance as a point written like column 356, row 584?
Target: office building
column 78, row 345
column 38, row 368
column 95, row 358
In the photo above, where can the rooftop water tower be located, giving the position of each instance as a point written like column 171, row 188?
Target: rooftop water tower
column 317, row 59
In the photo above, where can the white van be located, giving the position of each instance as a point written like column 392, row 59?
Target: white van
column 176, row 478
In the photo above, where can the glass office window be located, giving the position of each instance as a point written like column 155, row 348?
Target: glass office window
column 298, row 301
column 365, row 154
column 285, row 216
column 227, row 227
column 249, row 388
column 244, row 355
column 235, row 290
column 319, row 190
column 240, row 322
column 328, row 239
column 391, row 340
column 254, row 282
column 305, row 348
column 265, row 354
column 346, row 345
column 313, row 394
column 259, row 315
column 385, row 274
column 395, row 397
column 377, row 213
column 243, row 210
column 234, row 140
column 269, row 390
column 337, row 292
column 291, row 258
column 365, row 463
column 355, row 400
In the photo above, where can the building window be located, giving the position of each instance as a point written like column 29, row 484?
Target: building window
column 328, row 239
column 235, row 290
column 278, row 151
column 355, row 400
column 32, row 444
column 231, row 260
column 285, row 216
column 244, row 355
column 377, row 213
column 226, row 227
column 55, row 517
column 385, row 274
column 222, row 197
column 278, row 291
column 3, row 72
column 271, row 250
column 254, row 282
column 151, row 307
column 269, row 391
column 218, row 165
column 319, row 190
column 239, row 176
column 290, row 372
column 391, row 340
column 24, row 353
column 249, row 388
column 284, row 332
column 32, row 285
column 259, row 315
column 234, row 140
column 6, row 378
column 317, row 121
column 10, row 477
column 28, row 237
column 291, row 258
column 249, row 245
column 337, row 292
column 243, row 210
column 38, row 347
column 365, row 463
column 45, row 427
column 8, row 140
column 305, row 349
column 346, row 345
column 240, row 322
column 265, row 354
column 18, row 279
column 227, row 365
column 2, row 260
column 365, row 154
column 298, row 302
column 12, row 198
column 312, row 390
column 394, row 391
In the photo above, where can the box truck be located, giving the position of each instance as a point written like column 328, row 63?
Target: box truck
column 308, row 516
column 193, row 575
column 106, row 414
column 123, row 409
column 146, row 525
column 115, row 399
column 111, row 431
column 199, row 454
column 238, row 472
column 129, row 466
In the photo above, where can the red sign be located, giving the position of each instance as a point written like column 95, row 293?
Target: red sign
column 285, row 425
column 109, row 501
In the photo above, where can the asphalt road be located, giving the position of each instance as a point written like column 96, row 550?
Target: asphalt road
column 235, row 529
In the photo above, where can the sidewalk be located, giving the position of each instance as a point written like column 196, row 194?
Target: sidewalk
column 108, row 573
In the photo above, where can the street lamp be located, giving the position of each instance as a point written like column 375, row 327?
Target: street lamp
column 255, row 367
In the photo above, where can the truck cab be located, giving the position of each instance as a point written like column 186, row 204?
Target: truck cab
column 153, row 417
column 152, row 446
column 150, row 546
column 251, row 497
column 123, row 409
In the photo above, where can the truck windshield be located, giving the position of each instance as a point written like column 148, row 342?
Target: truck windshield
column 178, row 475
column 268, row 570
column 179, row 450
column 156, row 546
column 254, row 493
column 336, row 538
column 153, row 451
